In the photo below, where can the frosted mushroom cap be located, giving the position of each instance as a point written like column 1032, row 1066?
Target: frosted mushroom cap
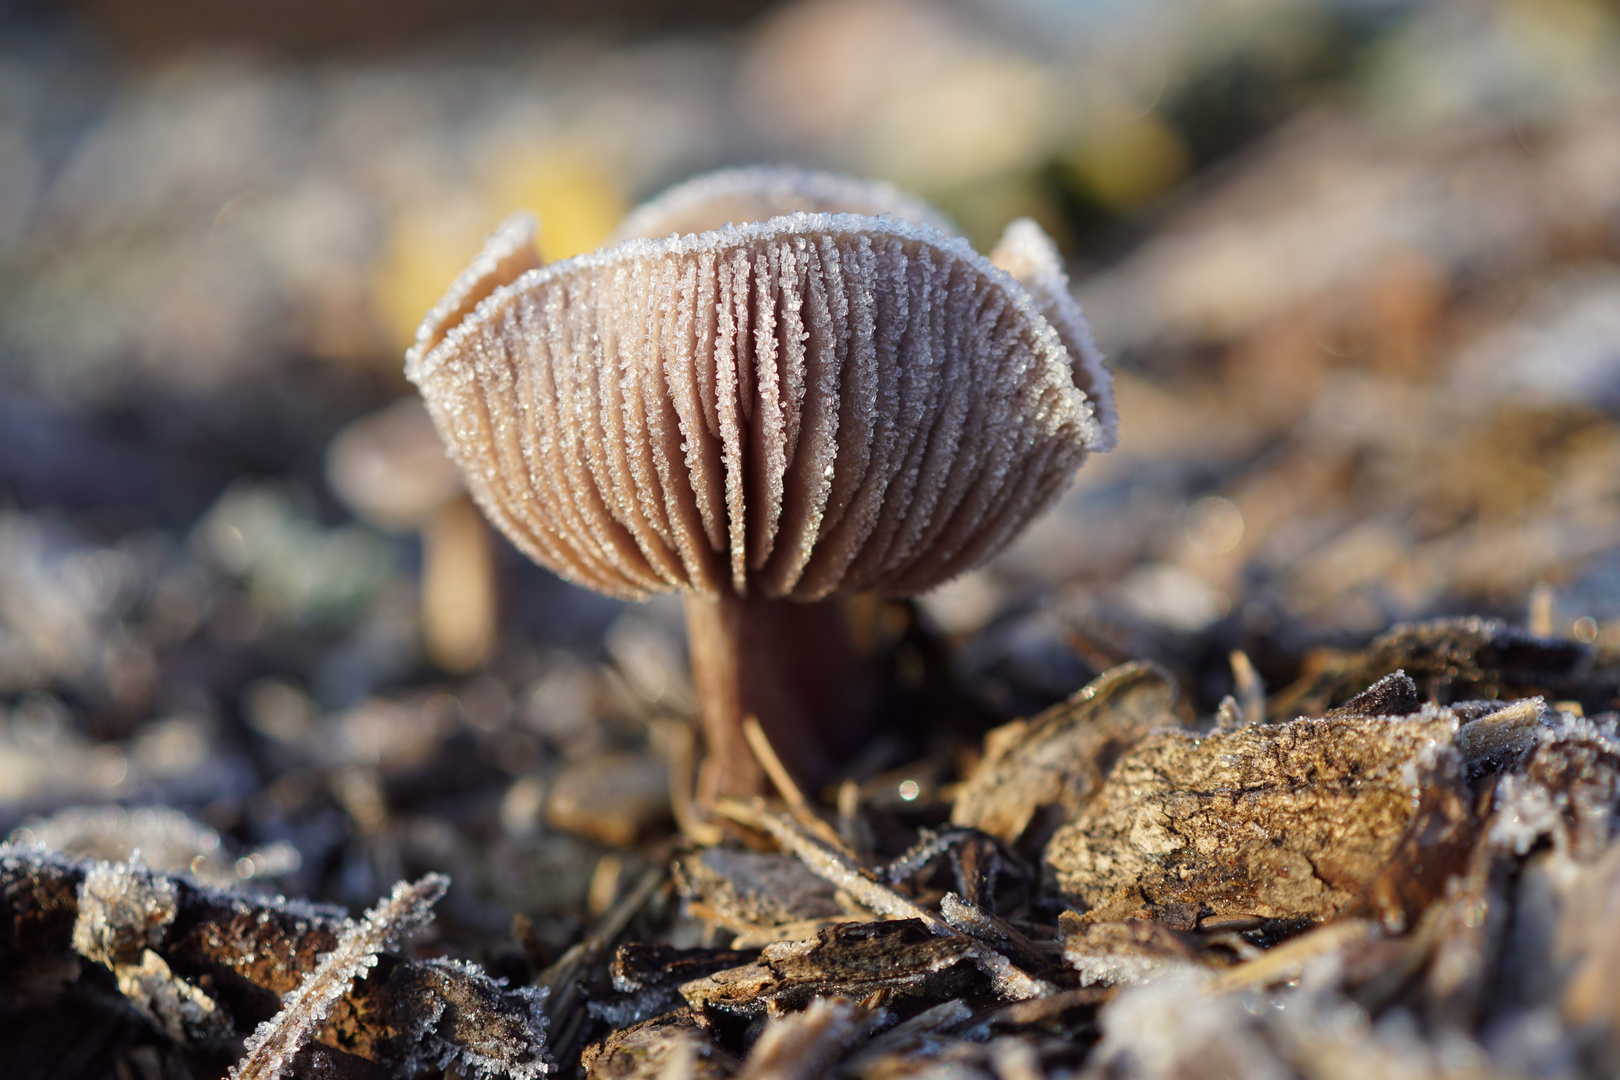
column 759, row 193
column 805, row 405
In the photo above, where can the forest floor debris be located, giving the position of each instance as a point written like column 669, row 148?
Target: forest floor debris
column 1362, row 521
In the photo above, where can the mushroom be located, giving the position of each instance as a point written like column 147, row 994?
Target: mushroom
column 765, row 416
column 390, row 468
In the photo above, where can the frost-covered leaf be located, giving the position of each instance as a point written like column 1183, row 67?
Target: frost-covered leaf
column 124, row 910
column 271, row 1048
column 455, row 1015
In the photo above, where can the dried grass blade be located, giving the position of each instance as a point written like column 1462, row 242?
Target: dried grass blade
column 797, row 805
column 837, row 868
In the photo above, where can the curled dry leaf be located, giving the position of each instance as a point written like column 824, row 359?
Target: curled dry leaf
column 804, row 1045
column 1568, row 788
column 675, row 1044
column 1127, row 953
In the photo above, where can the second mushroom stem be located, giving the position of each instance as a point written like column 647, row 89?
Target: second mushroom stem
column 795, row 668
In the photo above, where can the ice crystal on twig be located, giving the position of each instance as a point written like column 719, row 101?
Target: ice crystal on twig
column 272, row 1046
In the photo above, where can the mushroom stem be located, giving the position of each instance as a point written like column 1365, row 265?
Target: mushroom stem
column 458, row 587
column 793, row 667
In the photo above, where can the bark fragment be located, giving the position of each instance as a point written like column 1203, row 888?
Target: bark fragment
column 1059, row 759
column 1288, row 821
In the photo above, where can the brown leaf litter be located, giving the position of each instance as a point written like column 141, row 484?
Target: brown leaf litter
column 1301, row 895
column 1408, row 871
column 208, row 966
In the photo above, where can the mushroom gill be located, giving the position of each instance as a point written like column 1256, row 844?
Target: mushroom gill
column 784, row 409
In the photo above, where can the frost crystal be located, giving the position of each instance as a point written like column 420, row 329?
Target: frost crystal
column 813, row 403
column 476, row 1024
column 122, row 910
column 271, row 1048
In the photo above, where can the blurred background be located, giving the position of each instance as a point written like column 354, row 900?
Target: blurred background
column 1356, row 264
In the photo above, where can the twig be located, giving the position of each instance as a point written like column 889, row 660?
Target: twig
column 1287, row 960
column 682, row 776
column 837, row 868
column 760, row 744
column 562, row 979
column 270, row 1049
column 850, row 826
column 1251, row 691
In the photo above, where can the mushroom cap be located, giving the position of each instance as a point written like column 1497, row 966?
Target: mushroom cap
column 390, row 467
column 756, row 193
column 810, row 404
column 761, row 192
